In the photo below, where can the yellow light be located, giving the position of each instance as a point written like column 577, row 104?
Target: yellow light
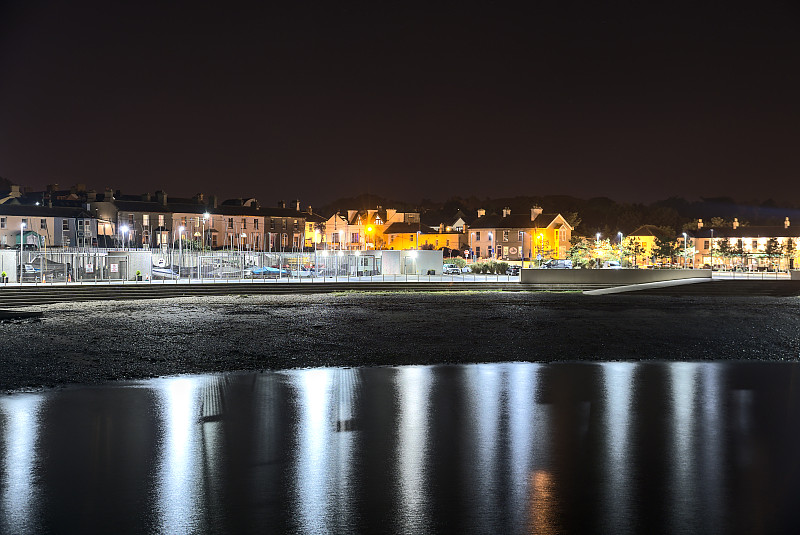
column 369, row 229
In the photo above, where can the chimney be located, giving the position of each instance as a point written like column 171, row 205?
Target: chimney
column 161, row 197
column 309, row 210
column 146, row 197
column 52, row 187
column 109, row 195
column 699, row 224
column 212, row 201
column 297, row 205
column 441, row 228
column 91, row 196
column 198, row 198
column 281, row 204
column 15, row 191
column 735, row 223
column 481, row 212
column 535, row 212
column 786, row 222
column 506, row 212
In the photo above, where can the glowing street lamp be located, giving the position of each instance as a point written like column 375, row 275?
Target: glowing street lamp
column 684, row 250
column 123, row 229
column 180, row 249
column 21, row 247
column 206, row 215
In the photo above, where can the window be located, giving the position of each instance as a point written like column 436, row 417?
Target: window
column 705, row 244
column 160, row 220
column 230, row 222
column 477, row 235
column 244, row 224
column 43, row 224
column 255, row 224
column 335, row 237
column 183, row 221
column 354, row 237
column 130, row 220
column 3, row 222
column 411, row 237
column 505, row 235
column 755, row 244
column 65, row 224
column 520, row 235
column 477, row 251
column 295, row 224
column 25, row 222
column 272, row 224
column 146, row 220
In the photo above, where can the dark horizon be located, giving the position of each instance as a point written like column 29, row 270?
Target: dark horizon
column 634, row 103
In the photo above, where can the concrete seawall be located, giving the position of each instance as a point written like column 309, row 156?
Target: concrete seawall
column 609, row 277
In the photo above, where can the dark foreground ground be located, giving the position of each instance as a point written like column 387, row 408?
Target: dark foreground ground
column 104, row 341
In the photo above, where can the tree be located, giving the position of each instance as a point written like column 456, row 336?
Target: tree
column 581, row 252
column 790, row 250
column 773, row 249
column 664, row 247
column 724, row 250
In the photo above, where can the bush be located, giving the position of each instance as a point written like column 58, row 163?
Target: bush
column 459, row 262
column 477, row 267
column 500, row 268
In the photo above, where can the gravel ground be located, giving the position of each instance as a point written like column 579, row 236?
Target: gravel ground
column 104, row 341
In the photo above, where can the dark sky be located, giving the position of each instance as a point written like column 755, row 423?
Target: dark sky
column 284, row 100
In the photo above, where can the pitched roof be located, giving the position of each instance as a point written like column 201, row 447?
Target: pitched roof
column 409, row 228
column 513, row 221
column 44, row 211
column 764, row 231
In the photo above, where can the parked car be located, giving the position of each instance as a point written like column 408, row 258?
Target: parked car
column 450, row 269
column 513, row 271
column 557, row 264
column 611, row 264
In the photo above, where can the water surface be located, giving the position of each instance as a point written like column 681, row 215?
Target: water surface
column 487, row 448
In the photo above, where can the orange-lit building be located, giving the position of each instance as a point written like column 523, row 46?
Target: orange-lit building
column 508, row 236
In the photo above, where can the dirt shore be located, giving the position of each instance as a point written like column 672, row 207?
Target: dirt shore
column 105, row 341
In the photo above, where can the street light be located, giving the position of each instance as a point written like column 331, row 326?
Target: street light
column 684, row 250
column 123, row 229
column 180, row 249
column 206, row 215
column 21, row 247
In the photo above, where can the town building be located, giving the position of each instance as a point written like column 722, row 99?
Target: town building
column 519, row 237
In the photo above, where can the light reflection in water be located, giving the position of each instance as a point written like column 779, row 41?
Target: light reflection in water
column 323, row 471
column 618, row 394
column 543, row 504
column 483, row 384
column 180, row 481
column 21, row 431
column 527, row 425
column 683, row 377
column 413, row 390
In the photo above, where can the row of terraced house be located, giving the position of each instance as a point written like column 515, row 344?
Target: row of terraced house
column 78, row 217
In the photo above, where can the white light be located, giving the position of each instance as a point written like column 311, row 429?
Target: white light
column 181, row 229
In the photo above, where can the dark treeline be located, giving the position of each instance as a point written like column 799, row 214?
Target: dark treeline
column 599, row 214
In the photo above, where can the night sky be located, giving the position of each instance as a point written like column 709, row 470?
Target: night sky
column 285, row 100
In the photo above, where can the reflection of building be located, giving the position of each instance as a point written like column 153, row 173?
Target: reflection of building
column 519, row 236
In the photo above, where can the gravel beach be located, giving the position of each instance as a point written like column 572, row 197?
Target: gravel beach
column 94, row 342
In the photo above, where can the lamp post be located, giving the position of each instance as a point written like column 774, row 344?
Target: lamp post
column 684, row 250
column 180, row 250
column 203, row 232
column 21, row 247
column 712, row 250
column 123, row 229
